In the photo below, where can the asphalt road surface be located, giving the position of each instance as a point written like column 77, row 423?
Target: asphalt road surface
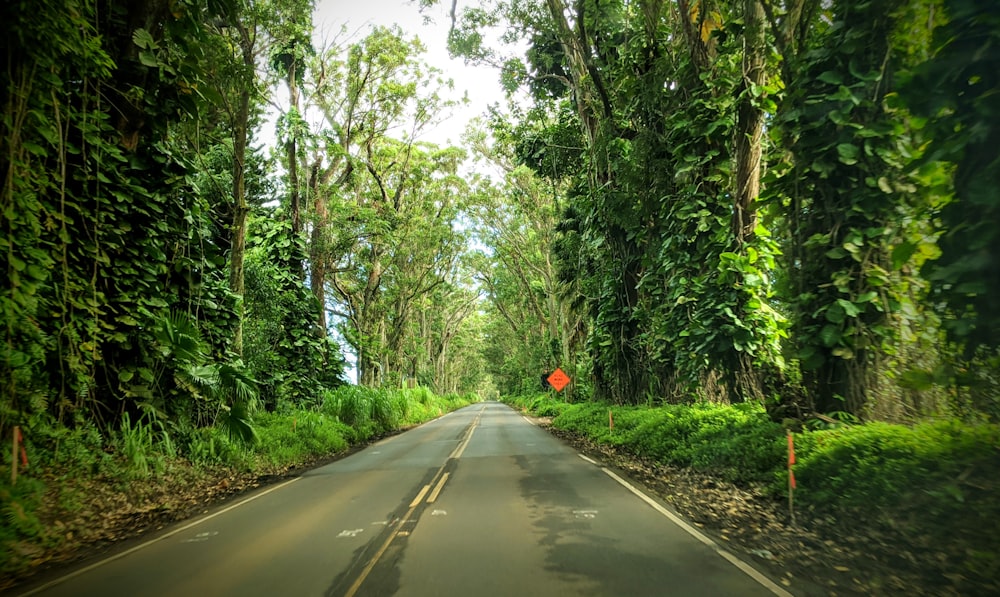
column 478, row 503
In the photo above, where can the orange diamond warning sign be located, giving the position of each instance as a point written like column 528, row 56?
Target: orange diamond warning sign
column 558, row 380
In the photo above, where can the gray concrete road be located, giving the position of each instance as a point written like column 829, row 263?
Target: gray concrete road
column 477, row 503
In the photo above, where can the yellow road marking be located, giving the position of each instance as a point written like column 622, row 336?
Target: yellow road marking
column 420, row 496
column 381, row 550
column 437, row 489
column 439, row 477
column 457, row 453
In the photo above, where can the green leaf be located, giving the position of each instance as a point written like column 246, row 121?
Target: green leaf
column 829, row 335
column 848, row 153
column 147, row 58
column 127, row 320
column 850, row 309
column 831, row 77
column 901, row 254
column 834, row 313
column 37, row 273
column 15, row 358
column 843, row 352
column 144, row 39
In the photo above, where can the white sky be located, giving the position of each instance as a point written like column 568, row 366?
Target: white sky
column 480, row 83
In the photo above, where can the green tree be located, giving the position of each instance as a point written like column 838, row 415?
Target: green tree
column 849, row 199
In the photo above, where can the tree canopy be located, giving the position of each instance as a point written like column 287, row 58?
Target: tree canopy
column 790, row 202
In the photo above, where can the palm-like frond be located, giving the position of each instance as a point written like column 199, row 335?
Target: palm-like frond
column 179, row 337
column 238, row 425
column 237, row 387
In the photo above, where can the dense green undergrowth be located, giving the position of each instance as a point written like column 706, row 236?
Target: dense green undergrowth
column 68, row 462
column 933, row 483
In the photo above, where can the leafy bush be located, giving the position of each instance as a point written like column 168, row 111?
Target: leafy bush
column 78, row 448
column 18, row 519
column 289, row 439
column 877, row 465
column 214, row 446
column 136, row 443
column 737, row 442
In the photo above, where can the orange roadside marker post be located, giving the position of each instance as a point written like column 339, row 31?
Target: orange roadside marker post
column 791, row 478
column 14, row 454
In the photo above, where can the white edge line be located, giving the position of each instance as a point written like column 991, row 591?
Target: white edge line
column 166, row 535
column 527, row 419
column 590, row 460
column 753, row 573
column 732, row 559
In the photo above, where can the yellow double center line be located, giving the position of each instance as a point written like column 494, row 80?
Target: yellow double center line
column 438, row 481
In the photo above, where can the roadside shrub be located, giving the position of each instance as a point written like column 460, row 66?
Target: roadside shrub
column 292, row 438
column 386, row 410
column 420, row 395
column 79, row 447
column 212, row 446
column 18, row 507
column 737, row 442
column 872, row 465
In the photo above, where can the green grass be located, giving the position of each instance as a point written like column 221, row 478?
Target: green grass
column 738, row 443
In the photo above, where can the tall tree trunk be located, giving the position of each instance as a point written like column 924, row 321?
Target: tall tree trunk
column 291, row 155
column 749, row 123
column 317, row 248
column 240, row 207
column 743, row 381
column 623, row 379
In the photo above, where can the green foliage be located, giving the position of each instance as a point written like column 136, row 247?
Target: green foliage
column 103, row 230
column 541, row 405
column 933, row 484
column 739, row 442
column 281, row 346
column 956, row 90
column 877, row 465
column 297, row 436
column 856, row 218
column 373, row 412
column 136, row 444
column 19, row 523
column 213, row 446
